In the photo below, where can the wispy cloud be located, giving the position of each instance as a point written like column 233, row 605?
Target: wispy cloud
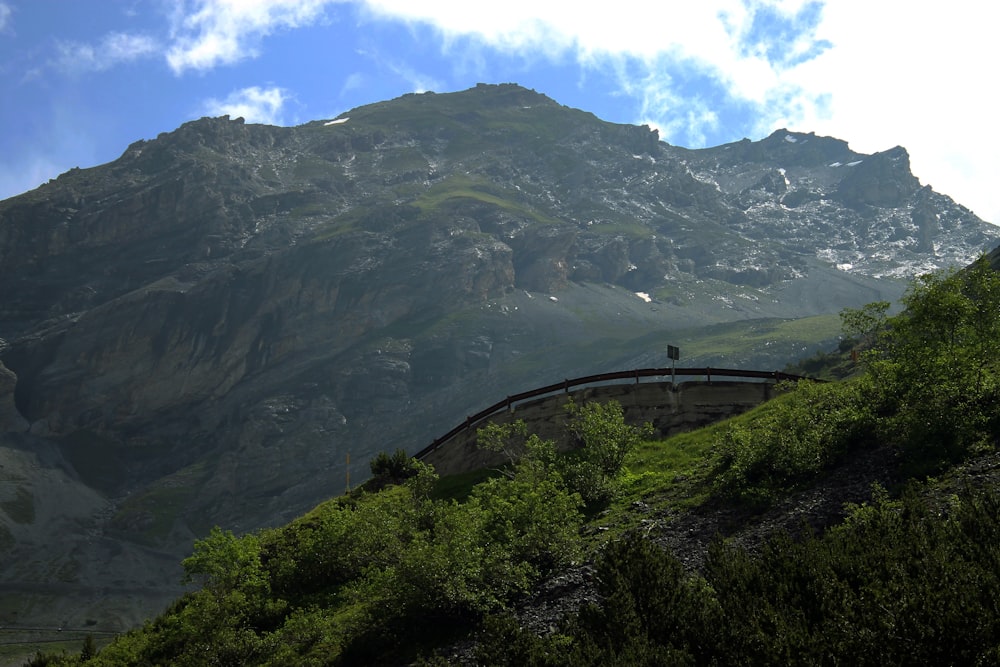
column 665, row 55
column 6, row 14
column 782, row 36
column 354, row 81
column 418, row 82
column 253, row 104
column 208, row 33
column 114, row 49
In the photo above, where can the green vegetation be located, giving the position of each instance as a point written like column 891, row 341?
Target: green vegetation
column 897, row 583
column 391, row 573
column 478, row 189
column 394, row 469
column 625, row 227
column 369, row 578
column 790, row 441
column 604, row 441
column 741, row 338
column 664, row 467
column 838, row 364
column 934, row 372
column 594, row 469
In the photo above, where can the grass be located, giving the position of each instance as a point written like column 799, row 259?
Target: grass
column 478, row 189
column 629, row 229
column 339, row 226
column 18, row 646
column 745, row 336
column 404, row 160
column 309, row 167
column 658, row 466
column 310, row 210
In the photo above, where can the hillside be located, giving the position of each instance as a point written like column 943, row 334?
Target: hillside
column 847, row 521
column 201, row 332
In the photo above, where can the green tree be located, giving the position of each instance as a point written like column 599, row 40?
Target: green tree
column 603, row 440
column 223, row 562
column 862, row 325
column 936, row 379
column 509, row 439
column 605, row 437
column 394, row 469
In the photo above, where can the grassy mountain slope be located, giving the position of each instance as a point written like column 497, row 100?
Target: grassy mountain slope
column 872, row 559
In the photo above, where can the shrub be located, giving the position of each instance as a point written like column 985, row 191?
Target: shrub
column 790, row 440
column 394, row 469
column 935, row 372
column 604, row 441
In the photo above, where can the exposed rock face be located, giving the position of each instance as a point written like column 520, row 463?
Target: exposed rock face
column 201, row 332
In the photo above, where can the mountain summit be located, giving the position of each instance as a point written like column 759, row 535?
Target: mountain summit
column 202, row 331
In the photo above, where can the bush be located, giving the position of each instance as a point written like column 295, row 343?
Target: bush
column 900, row 582
column 394, row 469
column 791, row 440
column 604, row 441
column 935, row 371
column 605, row 438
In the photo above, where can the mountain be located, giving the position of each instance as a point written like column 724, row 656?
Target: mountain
column 204, row 330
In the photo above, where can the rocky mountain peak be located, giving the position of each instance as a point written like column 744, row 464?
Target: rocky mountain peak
column 883, row 180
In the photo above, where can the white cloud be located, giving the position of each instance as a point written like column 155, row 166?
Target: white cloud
column 650, row 45
column 115, row 48
column 876, row 74
column 912, row 75
column 207, row 33
column 253, row 104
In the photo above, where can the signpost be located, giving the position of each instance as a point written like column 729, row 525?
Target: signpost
column 673, row 353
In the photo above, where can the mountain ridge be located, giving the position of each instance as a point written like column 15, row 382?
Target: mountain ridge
column 201, row 330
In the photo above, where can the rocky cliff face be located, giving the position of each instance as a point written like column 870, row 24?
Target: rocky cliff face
column 201, row 331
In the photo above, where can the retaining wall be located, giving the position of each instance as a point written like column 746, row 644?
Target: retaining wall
column 669, row 408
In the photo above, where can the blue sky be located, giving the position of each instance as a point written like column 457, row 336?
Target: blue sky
column 82, row 79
